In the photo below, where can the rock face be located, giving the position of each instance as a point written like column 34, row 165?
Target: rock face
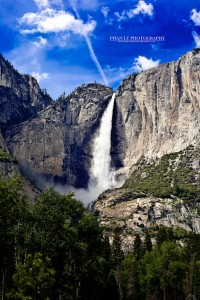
column 157, row 111
column 57, row 143
column 20, row 96
column 134, row 212
column 9, row 168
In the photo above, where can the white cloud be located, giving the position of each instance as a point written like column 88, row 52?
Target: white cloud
column 52, row 21
column 141, row 8
column 41, row 42
column 195, row 17
column 196, row 39
column 142, row 63
column 40, row 76
column 87, row 4
column 105, row 10
column 42, row 3
column 117, row 74
column 121, row 17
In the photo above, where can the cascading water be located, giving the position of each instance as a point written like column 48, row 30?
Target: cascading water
column 101, row 174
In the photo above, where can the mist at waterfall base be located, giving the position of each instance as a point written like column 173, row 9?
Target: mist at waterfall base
column 102, row 175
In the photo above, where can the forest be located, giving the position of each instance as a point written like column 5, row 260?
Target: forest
column 55, row 249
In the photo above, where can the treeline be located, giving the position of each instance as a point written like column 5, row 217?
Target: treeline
column 169, row 269
column 55, row 249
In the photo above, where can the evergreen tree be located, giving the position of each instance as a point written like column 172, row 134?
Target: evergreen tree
column 164, row 234
column 117, row 257
column 137, row 247
column 147, row 242
column 33, row 279
column 132, row 285
column 13, row 214
column 162, row 272
column 117, row 253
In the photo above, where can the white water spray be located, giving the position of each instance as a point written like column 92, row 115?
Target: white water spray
column 102, row 176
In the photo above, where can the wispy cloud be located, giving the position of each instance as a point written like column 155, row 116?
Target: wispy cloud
column 142, row 8
column 195, row 17
column 87, row 4
column 42, row 4
column 105, row 10
column 196, row 39
column 40, row 76
column 90, row 47
column 41, row 42
column 115, row 74
column 51, row 21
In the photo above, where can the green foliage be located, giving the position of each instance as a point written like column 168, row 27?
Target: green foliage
column 164, row 234
column 117, row 253
column 137, row 247
column 5, row 157
column 173, row 174
column 162, row 272
column 33, row 279
column 56, row 250
column 13, row 217
column 147, row 242
column 58, row 229
column 61, row 97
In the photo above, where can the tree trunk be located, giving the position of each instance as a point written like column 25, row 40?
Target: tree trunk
column 164, row 294
column 2, row 286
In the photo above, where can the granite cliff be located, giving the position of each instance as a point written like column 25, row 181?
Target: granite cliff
column 157, row 111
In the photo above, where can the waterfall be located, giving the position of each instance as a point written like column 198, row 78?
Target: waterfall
column 101, row 175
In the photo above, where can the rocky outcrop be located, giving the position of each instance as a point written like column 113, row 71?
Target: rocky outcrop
column 135, row 212
column 20, row 96
column 57, row 143
column 157, row 111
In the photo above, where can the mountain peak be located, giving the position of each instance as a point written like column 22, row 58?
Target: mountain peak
column 20, row 95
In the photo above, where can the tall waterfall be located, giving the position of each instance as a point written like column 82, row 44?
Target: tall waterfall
column 101, row 175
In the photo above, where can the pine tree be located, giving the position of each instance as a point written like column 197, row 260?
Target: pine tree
column 137, row 247
column 132, row 283
column 147, row 242
column 117, row 253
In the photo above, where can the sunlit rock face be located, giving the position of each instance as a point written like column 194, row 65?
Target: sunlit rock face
column 158, row 111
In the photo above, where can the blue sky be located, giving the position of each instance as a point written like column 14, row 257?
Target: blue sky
column 67, row 43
